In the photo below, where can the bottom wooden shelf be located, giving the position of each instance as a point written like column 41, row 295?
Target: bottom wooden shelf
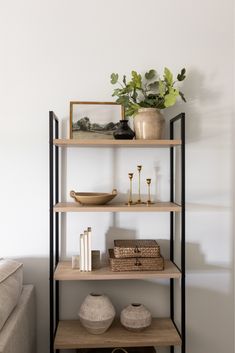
column 70, row 335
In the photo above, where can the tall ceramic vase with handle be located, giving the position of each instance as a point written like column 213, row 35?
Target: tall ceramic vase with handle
column 149, row 124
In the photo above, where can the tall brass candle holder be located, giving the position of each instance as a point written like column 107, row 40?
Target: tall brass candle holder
column 149, row 202
column 139, row 168
column 130, row 201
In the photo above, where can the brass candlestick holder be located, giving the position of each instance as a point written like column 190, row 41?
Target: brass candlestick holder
column 139, row 168
column 130, row 201
column 149, row 202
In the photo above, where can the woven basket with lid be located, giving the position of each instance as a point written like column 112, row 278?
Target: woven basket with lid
column 135, row 264
column 136, row 248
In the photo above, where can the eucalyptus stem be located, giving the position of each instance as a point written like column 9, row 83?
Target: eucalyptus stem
column 149, row 90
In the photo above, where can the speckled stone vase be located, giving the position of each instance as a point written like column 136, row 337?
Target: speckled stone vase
column 136, row 317
column 96, row 313
column 149, row 124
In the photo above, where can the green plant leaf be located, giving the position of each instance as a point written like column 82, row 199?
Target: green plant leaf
column 153, row 86
column 124, row 80
column 170, row 98
column 181, row 76
column 116, row 92
column 152, row 96
column 134, row 95
column 174, row 91
column 168, row 76
column 131, row 110
column 149, row 102
column 123, row 100
column 136, row 80
column 150, row 75
column 143, row 104
column 161, row 87
column 182, row 96
column 160, row 103
column 125, row 90
column 114, row 78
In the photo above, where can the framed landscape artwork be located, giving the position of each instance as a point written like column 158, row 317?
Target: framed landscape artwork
column 94, row 120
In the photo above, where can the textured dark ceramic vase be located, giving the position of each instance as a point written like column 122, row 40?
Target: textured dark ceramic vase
column 123, row 131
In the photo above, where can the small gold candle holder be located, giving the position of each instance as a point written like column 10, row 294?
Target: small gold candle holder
column 149, row 202
column 130, row 201
column 139, row 168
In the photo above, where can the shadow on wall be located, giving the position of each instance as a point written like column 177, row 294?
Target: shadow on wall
column 197, row 93
column 196, row 259
column 207, row 311
column 204, row 305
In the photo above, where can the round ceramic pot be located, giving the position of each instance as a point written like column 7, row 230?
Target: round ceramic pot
column 123, row 132
column 149, row 124
column 135, row 317
column 96, row 313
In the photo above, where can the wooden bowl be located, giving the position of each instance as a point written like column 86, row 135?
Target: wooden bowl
column 93, row 198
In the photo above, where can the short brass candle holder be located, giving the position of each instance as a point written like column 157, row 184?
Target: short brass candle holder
column 149, row 202
column 130, row 201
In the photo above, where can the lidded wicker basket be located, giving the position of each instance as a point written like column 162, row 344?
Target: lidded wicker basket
column 135, row 264
column 136, row 248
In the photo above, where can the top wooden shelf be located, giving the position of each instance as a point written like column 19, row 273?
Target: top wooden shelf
column 116, row 143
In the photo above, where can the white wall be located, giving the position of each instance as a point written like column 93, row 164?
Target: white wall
column 56, row 51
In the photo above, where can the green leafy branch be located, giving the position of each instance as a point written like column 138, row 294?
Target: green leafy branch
column 149, row 91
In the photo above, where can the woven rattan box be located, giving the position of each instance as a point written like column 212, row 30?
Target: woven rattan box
column 135, row 263
column 136, row 248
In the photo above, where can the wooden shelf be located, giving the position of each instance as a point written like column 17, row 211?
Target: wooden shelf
column 64, row 272
column 118, row 207
column 71, row 335
column 115, row 143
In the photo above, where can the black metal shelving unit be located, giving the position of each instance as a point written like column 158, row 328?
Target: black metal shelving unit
column 54, row 228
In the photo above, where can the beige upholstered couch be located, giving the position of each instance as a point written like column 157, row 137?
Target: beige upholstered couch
column 17, row 313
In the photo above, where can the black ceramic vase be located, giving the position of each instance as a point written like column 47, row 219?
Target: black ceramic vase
column 123, row 131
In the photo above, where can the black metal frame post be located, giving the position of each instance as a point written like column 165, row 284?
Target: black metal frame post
column 172, row 306
column 181, row 118
column 54, row 225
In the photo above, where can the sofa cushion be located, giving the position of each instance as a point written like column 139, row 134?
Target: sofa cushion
column 11, row 281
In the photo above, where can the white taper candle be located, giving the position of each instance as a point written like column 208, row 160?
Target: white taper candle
column 89, row 249
column 86, row 250
column 82, row 265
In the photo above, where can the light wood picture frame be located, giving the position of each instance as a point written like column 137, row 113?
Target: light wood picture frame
column 94, row 120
